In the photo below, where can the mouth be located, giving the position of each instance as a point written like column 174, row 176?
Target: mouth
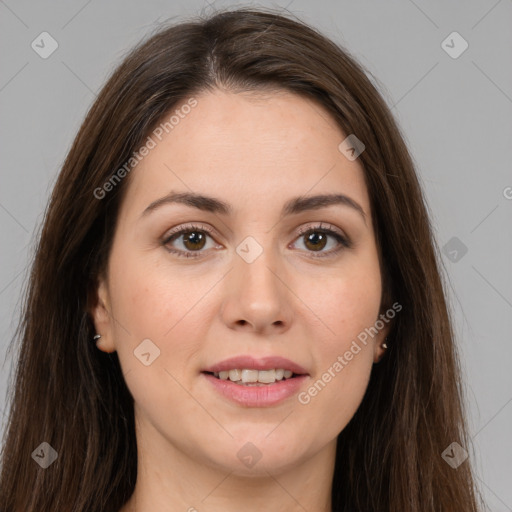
column 249, row 387
column 254, row 378
column 256, row 381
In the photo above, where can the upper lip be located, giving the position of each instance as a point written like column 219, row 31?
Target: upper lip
column 251, row 363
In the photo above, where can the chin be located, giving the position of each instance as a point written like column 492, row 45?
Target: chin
column 257, row 457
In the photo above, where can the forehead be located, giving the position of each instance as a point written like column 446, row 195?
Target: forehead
column 250, row 149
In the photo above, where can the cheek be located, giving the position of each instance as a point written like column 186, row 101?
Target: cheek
column 150, row 297
column 152, row 302
column 347, row 305
column 156, row 315
column 145, row 302
column 346, row 301
column 344, row 362
column 336, row 392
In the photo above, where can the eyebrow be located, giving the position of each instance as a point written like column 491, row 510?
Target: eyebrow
column 293, row 206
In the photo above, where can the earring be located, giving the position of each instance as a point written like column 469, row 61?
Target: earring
column 384, row 345
column 97, row 337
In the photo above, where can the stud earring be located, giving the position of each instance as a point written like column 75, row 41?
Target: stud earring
column 384, row 345
column 97, row 337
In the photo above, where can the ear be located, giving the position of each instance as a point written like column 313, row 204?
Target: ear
column 100, row 312
column 384, row 317
column 380, row 339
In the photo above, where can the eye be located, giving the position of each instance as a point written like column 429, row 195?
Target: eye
column 194, row 240
column 316, row 238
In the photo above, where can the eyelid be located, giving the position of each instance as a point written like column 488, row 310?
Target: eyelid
column 187, row 227
column 322, row 226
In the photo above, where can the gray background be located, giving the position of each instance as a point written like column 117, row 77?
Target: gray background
column 456, row 114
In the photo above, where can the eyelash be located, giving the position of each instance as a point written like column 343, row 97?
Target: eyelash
column 344, row 243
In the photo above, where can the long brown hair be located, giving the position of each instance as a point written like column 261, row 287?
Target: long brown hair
column 73, row 396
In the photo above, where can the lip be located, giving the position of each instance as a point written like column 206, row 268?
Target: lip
column 257, row 396
column 251, row 363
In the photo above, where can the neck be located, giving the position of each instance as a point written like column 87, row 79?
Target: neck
column 170, row 479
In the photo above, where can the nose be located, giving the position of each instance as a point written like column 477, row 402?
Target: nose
column 257, row 297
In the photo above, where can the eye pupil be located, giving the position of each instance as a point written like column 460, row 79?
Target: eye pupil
column 316, row 237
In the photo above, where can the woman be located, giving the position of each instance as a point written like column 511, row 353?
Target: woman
column 235, row 302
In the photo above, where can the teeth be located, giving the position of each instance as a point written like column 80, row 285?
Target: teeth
column 250, row 375
column 246, row 376
column 266, row 376
column 235, row 375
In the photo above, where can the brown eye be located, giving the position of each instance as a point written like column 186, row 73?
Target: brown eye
column 315, row 240
column 193, row 240
column 188, row 241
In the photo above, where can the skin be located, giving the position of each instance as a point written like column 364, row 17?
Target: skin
column 254, row 152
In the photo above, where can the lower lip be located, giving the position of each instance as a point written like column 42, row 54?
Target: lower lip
column 257, row 396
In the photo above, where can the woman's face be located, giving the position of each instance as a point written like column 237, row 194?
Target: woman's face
column 253, row 275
